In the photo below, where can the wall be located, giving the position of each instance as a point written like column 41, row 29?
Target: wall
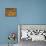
column 28, row 12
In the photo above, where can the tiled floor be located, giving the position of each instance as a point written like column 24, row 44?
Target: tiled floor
column 30, row 43
column 7, row 45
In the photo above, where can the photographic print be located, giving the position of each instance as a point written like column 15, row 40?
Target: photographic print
column 10, row 11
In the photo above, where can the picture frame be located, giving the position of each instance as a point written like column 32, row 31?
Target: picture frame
column 10, row 12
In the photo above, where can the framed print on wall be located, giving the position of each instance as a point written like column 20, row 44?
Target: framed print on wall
column 10, row 11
